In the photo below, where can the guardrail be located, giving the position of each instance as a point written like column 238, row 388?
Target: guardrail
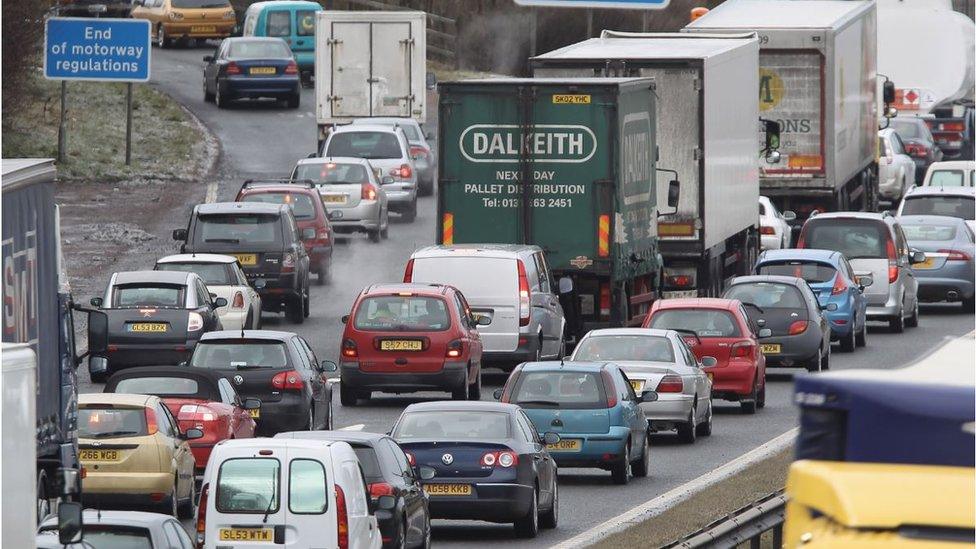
column 441, row 31
column 747, row 524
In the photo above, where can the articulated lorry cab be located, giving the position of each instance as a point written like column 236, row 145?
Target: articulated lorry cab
column 707, row 117
column 565, row 164
column 817, row 78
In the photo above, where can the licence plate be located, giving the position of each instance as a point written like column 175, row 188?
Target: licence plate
column 98, row 455
column 401, row 345
column 246, row 534
column 254, row 413
column 262, row 70
column 247, row 259
column 637, row 385
column 566, row 445
column 771, row 349
column 929, row 263
column 203, row 29
column 334, row 198
column 148, row 327
column 448, row 489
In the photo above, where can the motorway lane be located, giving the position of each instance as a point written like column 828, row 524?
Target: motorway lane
column 266, row 140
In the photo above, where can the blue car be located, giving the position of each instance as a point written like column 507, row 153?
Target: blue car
column 250, row 68
column 592, row 407
column 833, row 280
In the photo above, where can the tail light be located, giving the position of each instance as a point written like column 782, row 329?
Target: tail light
column 767, row 230
column 839, row 286
column 454, row 349
column 952, row 127
column 202, row 516
column 917, row 149
column 233, row 68
column 679, row 281
column 604, row 300
column 892, row 273
column 797, row 327
column 510, row 384
column 292, row 68
column 502, row 459
column 411, row 459
column 290, row 380
column 194, row 322
column 955, row 255
column 238, row 302
column 525, row 296
column 608, row 388
column 378, row 489
column 369, row 191
column 408, row 272
column 322, row 233
column 892, row 261
column 349, row 349
column 742, row 349
column 288, row 262
column 196, row 413
column 342, row 518
column 403, row 172
column 151, row 427
column 670, row 384
column 417, row 151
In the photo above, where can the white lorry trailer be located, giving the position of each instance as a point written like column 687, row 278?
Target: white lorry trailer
column 19, row 388
column 707, row 116
column 817, row 78
column 369, row 63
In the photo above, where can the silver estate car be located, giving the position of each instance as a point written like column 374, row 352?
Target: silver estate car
column 947, row 274
column 420, row 150
column 353, row 196
column 658, row 360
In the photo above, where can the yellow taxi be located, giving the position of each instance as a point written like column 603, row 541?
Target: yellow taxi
column 186, row 19
column 134, row 455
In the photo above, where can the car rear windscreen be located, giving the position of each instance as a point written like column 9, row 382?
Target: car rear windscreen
column 947, row 178
column 170, row 386
column 248, row 485
column 855, row 238
column 216, row 274
column 198, row 4
column 301, row 204
column 481, row 279
column 332, row 173
column 102, row 422
column 307, row 487
column 559, row 389
column 704, row 322
column 961, row 207
column 376, row 145
column 453, row 424
column 367, row 458
column 767, row 295
column 907, row 129
column 811, row 271
column 930, row 233
column 240, row 355
column 147, row 295
column 257, row 49
column 238, row 229
column 402, row 314
column 625, row 347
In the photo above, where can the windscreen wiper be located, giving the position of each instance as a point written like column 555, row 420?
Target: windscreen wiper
column 274, row 486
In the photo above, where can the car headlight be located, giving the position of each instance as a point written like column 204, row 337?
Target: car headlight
column 194, row 323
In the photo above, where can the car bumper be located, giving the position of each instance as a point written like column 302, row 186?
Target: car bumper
column 490, row 502
column 276, row 290
column 888, row 309
column 732, row 381
column 669, row 407
column 771, row 241
column 200, row 29
column 305, row 60
column 319, row 254
column 129, row 355
column 523, row 353
column 399, row 200
column 233, row 320
column 794, row 350
column 600, row 450
column 890, row 188
column 364, row 216
column 938, row 289
column 125, row 484
column 453, row 375
column 250, row 86
column 841, row 323
column 288, row 414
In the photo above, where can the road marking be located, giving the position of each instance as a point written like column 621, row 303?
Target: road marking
column 669, row 499
column 211, row 192
column 356, row 427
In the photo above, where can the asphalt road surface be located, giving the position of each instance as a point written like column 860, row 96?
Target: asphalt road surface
column 267, row 139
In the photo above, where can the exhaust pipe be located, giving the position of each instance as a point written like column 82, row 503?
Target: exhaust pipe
column 952, row 295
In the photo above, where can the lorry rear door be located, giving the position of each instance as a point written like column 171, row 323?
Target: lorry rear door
column 371, row 73
column 791, row 92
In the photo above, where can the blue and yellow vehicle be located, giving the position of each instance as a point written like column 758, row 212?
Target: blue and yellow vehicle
column 291, row 20
column 886, row 458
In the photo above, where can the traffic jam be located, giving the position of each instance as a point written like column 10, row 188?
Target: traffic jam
column 633, row 253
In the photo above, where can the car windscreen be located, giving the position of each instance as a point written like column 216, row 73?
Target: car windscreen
column 948, row 178
column 402, row 314
column 767, row 295
column 255, row 229
column 112, row 536
column 704, row 322
column 481, row 279
column 928, row 232
column 961, row 207
column 376, row 145
column 159, row 386
column 126, row 296
column 453, row 425
column 855, row 238
column 559, row 389
column 811, row 271
column 248, row 485
column 625, row 347
column 240, row 355
column 333, row 173
column 198, row 4
column 906, row 129
column 301, row 204
column 213, row 274
column 257, row 49
column 367, row 458
column 110, row 422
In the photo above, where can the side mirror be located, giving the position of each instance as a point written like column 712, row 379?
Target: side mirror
column 69, row 523
column 888, row 92
column 483, row 320
column 761, row 322
column 329, row 366
column 252, row 404
column 386, row 503
column 387, row 179
column 179, row 234
column 864, row 280
column 916, row 257
column 773, row 157
column 70, row 481
column 193, row 434
column 708, row 361
column 551, row 438
column 312, row 155
column 772, row 130
column 765, row 332
column 497, row 394
column 431, row 80
column 260, row 283
column 219, row 302
column 674, row 192
column 565, row 285
column 647, row 396
column 344, row 319
column 97, row 333
column 426, row 472
column 308, row 233
column 208, row 59
column 95, row 301
column 789, row 215
column 829, row 307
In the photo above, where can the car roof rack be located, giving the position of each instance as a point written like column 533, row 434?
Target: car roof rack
column 254, row 183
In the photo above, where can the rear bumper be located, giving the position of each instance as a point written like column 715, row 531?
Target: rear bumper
column 732, row 381
column 319, row 254
column 119, row 485
column 401, row 200
column 232, row 320
column 451, row 376
column 523, row 353
column 288, row 414
column 361, row 217
column 841, row 323
column 890, row 308
column 129, row 355
column 249, row 86
column 601, row 450
column 488, row 502
column 668, row 407
column 937, row 289
column 200, row 29
column 795, row 350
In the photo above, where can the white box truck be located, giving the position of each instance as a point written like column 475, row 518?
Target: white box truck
column 817, row 78
column 19, row 387
column 369, row 63
column 707, row 115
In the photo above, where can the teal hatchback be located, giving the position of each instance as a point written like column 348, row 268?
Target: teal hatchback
column 593, row 409
column 291, row 20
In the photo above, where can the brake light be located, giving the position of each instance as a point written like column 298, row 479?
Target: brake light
column 510, row 384
column 233, row 68
column 322, row 233
column 892, row 261
column 916, row 149
column 680, row 281
column 670, row 384
column 454, row 349
column 488, row 460
column 411, row 459
column 368, row 191
column 202, row 516
column 378, row 489
column 418, row 151
column 342, row 518
column 797, row 327
column 742, row 349
column 194, row 322
column 767, row 230
column 525, row 296
column 403, row 172
column 288, row 262
column 952, row 126
column 408, row 272
column 955, row 255
column 151, row 427
column 609, row 388
column 292, row 68
column 604, row 300
column 290, row 380
column 349, row 349
column 892, row 273
column 196, row 413
column 238, row 302
column 502, row 459
column 839, row 286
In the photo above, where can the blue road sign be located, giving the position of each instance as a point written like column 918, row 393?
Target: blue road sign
column 77, row 48
column 598, row 4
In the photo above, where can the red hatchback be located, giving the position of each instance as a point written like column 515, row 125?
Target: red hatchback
column 310, row 214
column 198, row 399
column 723, row 331
column 403, row 338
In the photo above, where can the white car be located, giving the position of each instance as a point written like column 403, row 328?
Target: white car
column 896, row 170
column 952, row 173
column 658, row 360
column 262, row 492
column 774, row 227
column 224, row 277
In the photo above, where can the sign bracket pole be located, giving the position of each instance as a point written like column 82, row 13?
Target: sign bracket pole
column 589, row 23
column 63, row 124
column 128, row 123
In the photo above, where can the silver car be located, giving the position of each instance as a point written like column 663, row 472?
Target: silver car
column 388, row 151
column 896, row 169
column 874, row 244
column 420, row 150
column 658, row 360
column 947, row 274
column 120, row 529
column 351, row 193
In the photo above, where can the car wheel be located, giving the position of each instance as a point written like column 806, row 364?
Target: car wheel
column 294, row 100
column 705, row 428
column 374, row 235
column 220, row 98
column 816, row 362
column 207, row 96
column 462, row 392
column 307, row 299
column 825, row 361
column 897, row 323
column 324, row 274
column 474, row 392
column 310, row 426
column 640, row 467
column 620, row 471
column 761, row 401
column 862, row 336
column 427, row 536
column 400, row 541
column 294, row 309
column 188, row 509
column 385, row 230
column 528, row 526
column 161, row 40
column 550, row 518
column 171, row 505
column 411, row 214
column 849, row 342
column 912, row 321
column 688, row 431
column 749, row 405
column 347, row 397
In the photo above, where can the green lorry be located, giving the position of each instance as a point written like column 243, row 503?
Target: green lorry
column 565, row 164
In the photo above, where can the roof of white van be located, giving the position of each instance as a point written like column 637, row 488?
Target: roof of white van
column 780, row 14
column 274, row 443
column 953, row 165
column 651, row 46
column 470, row 250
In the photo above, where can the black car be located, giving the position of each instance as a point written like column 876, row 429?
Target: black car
column 793, row 331
column 490, row 463
column 266, row 241
column 153, row 318
column 251, row 67
column 919, row 143
column 388, row 473
column 278, row 368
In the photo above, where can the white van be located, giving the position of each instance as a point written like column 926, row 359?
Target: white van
column 288, row 492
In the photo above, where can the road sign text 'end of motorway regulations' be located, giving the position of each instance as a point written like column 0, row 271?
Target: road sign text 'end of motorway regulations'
column 79, row 48
column 598, row 4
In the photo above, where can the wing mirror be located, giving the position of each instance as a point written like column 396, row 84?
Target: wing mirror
column 426, row 472
column 328, row 366
column 482, row 320
column 260, row 283
column 551, row 438
column 95, row 301
column 709, row 361
column 765, row 332
column 252, row 404
column 69, row 523
column 674, row 192
column 888, row 91
column 864, row 279
column 647, row 396
column 789, row 215
column 219, row 302
column 497, row 394
column 383, row 503
column 829, row 307
column 179, row 234
column 193, row 434
column 565, row 285
column 916, row 257
column 208, row 59
column 344, row 319
column 97, row 332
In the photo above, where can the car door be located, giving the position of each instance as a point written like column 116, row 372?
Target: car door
column 543, row 461
column 317, row 379
column 242, row 424
column 468, row 325
column 632, row 414
column 310, row 508
column 905, row 268
column 205, row 307
column 176, row 448
column 858, row 302
column 552, row 326
column 414, row 498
